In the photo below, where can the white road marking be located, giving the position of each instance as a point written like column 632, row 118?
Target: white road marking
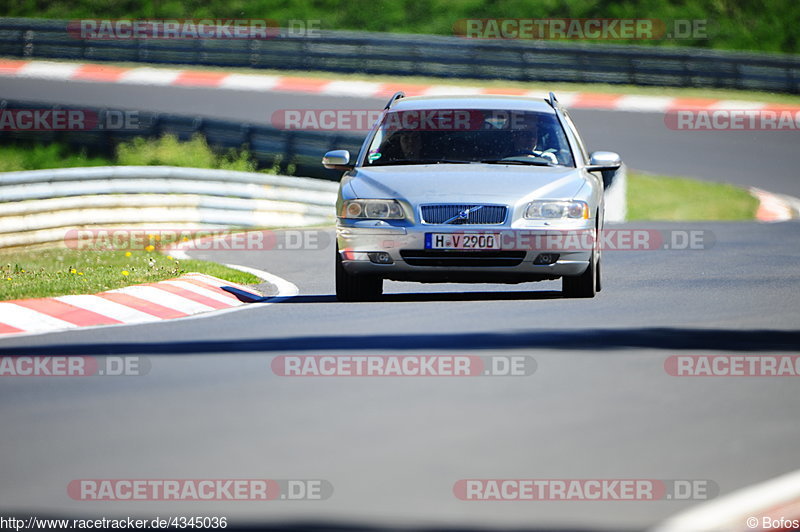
column 249, row 82
column 150, row 76
column 564, row 98
column 737, row 104
column 285, row 288
column 48, row 70
column 352, row 88
column 644, row 103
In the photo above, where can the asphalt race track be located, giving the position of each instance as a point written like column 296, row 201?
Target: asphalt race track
column 599, row 405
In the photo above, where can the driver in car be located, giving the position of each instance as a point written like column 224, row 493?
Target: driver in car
column 526, row 141
column 410, row 145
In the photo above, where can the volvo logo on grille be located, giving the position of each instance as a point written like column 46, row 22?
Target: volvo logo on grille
column 464, row 215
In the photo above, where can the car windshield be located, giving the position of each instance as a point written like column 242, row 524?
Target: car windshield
column 469, row 136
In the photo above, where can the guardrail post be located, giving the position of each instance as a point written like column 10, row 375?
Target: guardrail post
column 27, row 43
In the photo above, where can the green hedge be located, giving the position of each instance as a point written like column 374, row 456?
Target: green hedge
column 167, row 150
column 733, row 24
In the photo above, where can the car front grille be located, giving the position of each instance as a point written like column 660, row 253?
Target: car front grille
column 472, row 214
column 423, row 257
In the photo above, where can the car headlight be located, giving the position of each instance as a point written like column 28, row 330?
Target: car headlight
column 555, row 210
column 372, row 209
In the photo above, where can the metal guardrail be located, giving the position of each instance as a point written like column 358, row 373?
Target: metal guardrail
column 425, row 55
column 40, row 206
column 269, row 146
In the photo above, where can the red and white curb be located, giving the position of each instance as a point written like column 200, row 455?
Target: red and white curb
column 188, row 296
column 88, row 72
column 772, row 505
column 775, row 207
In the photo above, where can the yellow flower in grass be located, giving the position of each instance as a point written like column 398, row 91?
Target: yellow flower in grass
column 125, row 272
column 73, row 270
column 80, row 273
column 169, row 257
column 151, row 247
column 127, row 253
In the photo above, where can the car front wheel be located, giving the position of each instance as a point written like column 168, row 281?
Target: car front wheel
column 584, row 285
column 356, row 287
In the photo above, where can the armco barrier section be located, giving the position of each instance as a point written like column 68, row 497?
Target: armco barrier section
column 423, row 55
column 40, row 206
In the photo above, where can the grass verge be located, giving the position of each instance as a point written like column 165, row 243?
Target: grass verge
column 656, row 197
column 58, row 271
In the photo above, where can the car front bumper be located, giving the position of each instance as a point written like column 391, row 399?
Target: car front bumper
column 514, row 262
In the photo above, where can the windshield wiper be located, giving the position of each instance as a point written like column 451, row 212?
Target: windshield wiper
column 514, row 160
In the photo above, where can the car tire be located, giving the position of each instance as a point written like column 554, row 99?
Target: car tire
column 584, row 285
column 598, row 282
column 356, row 287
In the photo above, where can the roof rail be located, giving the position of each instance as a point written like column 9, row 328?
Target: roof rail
column 551, row 99
column 396, row 96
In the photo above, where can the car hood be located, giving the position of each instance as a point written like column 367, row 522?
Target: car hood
column 468, row 183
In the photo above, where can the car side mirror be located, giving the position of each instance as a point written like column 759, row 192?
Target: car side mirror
column 603, row 161
column 337, row 160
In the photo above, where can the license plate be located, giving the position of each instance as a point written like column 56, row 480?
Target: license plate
column 462, row 241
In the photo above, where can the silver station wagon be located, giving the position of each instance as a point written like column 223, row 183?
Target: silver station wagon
column 486, row 189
